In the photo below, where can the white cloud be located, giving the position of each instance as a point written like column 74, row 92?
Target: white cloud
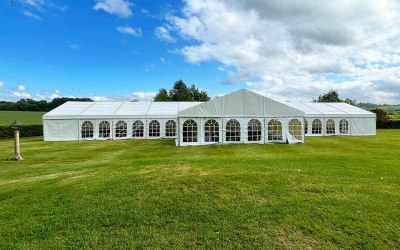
column 21, row 95
column 31, row 15
column 21, row 88
column 135, row 96
column 73, row 45
column 56, row 93
column 37, row 4
column 2, row 84
column 120, row 8
column 297, row 48
column 143, row 96
column 163, row 33
column 129, row 31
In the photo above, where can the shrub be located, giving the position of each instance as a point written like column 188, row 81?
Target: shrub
column 25, row 131
column 389, row 124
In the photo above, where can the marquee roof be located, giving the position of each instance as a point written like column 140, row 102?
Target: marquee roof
column 109, row 110
column 331, row 109
column 241, row 103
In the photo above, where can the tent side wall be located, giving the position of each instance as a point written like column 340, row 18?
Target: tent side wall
column 363, row 126
column 60, row 130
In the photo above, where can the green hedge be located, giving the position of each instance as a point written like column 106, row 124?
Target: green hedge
column 25, row 131
column 388, row 124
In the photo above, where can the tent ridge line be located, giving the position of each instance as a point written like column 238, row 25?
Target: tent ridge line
column 313, row 108
column 339, row 109
column 117, row 109
column 79, row 115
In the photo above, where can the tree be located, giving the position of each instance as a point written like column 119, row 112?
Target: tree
column 180, row 92
column 350, row 101
column 162, row 96
column 381, row 117
column 331, row 96
column 198, row 95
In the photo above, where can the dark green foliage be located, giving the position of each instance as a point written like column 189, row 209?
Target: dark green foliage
column 162, row 96
column 25, row 131
column 390, row 124
column 333, row 96
column 381, row 117
column 181, row 93
column 32, row 105
column 350, row 101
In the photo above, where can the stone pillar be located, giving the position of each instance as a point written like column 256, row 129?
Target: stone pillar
column 17, row 153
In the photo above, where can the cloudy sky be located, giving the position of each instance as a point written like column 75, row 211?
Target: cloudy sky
column 124, row 50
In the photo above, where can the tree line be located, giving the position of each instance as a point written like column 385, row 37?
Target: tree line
column 32, row 105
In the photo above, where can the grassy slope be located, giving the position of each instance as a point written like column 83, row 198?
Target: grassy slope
column 330, row 192
column 25, row 117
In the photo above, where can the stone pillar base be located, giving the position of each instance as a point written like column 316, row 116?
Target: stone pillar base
column 16, row 158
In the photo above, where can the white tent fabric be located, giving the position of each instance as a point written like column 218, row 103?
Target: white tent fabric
column 65, row 122
column 239, row 117
column 242, row 103
column 361, row 122
column 241, row 106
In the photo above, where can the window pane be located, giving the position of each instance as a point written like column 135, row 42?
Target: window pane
column 254, row 130
column 87, row 130
column 189, row 130
column 295, row 129
column 344, row 126
column 274, row 130
column 232, row 130
column 170, row 128
column 121, row 129
column 316, row 127
column 330, row 127
column 211, row 131
column 104, row 129
column 154, row 129
column 138, row 129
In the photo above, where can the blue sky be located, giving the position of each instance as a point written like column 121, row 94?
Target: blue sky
column 124, row 50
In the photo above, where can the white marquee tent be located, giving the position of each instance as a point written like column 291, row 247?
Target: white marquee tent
column 239, row 117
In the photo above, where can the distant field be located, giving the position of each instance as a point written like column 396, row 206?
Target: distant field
column 395, row 117
column 25, row 117
column 329, row 193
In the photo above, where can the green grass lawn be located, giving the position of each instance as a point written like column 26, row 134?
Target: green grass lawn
column 332, row 192
column 25, row 117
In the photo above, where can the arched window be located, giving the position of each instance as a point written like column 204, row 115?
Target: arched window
column 254, row 130
column 154, row 129
column 87, row 130
column 104, row 129
column 274, row 130
column 305, row 126
column 344, row 126
column 211, row 131
column 189, row 130
column 138, row 129
column 121, row 129
column 232, row 130
column 295, row 129
column 170, row 128
column 330, row 127
column 316, row 127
